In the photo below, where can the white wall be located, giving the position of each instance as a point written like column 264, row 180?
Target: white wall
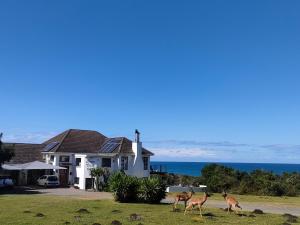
column 135, row 164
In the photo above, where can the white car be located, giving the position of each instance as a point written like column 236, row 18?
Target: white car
column 48, row 181
column 6, row 182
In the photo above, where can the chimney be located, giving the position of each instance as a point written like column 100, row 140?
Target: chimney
column 137, row 148
column 137, row 136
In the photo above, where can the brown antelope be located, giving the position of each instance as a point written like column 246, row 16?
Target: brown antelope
column 184, row 196
column 231, row 202
column 197, row 201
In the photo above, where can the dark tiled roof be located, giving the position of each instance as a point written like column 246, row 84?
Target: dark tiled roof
column 73, row 141
column 76, row 141
column 25, row 153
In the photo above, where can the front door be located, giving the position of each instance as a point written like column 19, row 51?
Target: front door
column 63, row 177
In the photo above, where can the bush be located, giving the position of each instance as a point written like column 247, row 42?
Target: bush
column 258, row 182
column 131, row 189
column 219, row 178
column 152, row 190
column 125, row 188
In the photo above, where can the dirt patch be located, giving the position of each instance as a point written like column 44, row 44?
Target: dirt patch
column 116, row 211
column 176, row 210
column 39, row 215
column 258, row 211
column 27, row 211
column 83, row 211
column 116, row 222
column 77, row 218
column 290, row 218
column 135, row 217
column 209, row 214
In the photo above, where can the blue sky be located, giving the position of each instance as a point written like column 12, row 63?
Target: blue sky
column 202, row 80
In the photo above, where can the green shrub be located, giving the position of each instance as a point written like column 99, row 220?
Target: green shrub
column 152, row 190
column 258, row 182
column 125, row 188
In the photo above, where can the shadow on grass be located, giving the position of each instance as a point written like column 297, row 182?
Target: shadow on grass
column 20, row 190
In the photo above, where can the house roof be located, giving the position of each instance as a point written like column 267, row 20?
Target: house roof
column 75, row 141
column 25, row 153
column 87, row 141
column 119, row 145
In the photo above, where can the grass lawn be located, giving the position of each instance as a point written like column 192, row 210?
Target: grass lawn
column 293, row 201
column 21, row 209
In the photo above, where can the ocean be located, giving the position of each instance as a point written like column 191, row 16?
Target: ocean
column 194, row 168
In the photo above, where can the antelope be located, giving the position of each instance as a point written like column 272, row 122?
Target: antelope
column 231, row 202
column 198, row 201
column 184, row 196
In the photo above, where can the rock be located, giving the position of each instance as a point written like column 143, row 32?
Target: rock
column 39, row 215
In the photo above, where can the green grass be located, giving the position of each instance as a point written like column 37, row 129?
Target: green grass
column 293, row 201
column 59, row 210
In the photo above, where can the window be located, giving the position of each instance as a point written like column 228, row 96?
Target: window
column 78, row 162
column 145, row 160
column 124, row 163
column 51, row 158
column 76, row 180
column 106, row 162
column 64, row 158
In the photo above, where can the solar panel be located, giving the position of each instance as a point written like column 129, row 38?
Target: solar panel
column 110, row 145
column 50, row 146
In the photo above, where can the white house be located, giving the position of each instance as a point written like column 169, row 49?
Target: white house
column 80, row 150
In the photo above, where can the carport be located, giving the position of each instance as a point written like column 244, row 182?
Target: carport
column 28, row 173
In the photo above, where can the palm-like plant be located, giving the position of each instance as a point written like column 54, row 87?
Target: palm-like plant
column 152, row 190
column 100, row 176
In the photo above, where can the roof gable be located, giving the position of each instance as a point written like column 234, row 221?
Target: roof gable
column 75, row 141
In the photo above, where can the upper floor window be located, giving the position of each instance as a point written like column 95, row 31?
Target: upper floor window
column 124, row 163
column 106, row 162
column 146, row 163
column 78, row 162
column 51, row 158
column 64, row 158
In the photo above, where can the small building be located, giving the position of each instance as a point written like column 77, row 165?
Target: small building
column 80, row 150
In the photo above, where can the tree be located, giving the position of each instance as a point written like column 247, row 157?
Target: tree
column 6, row 152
